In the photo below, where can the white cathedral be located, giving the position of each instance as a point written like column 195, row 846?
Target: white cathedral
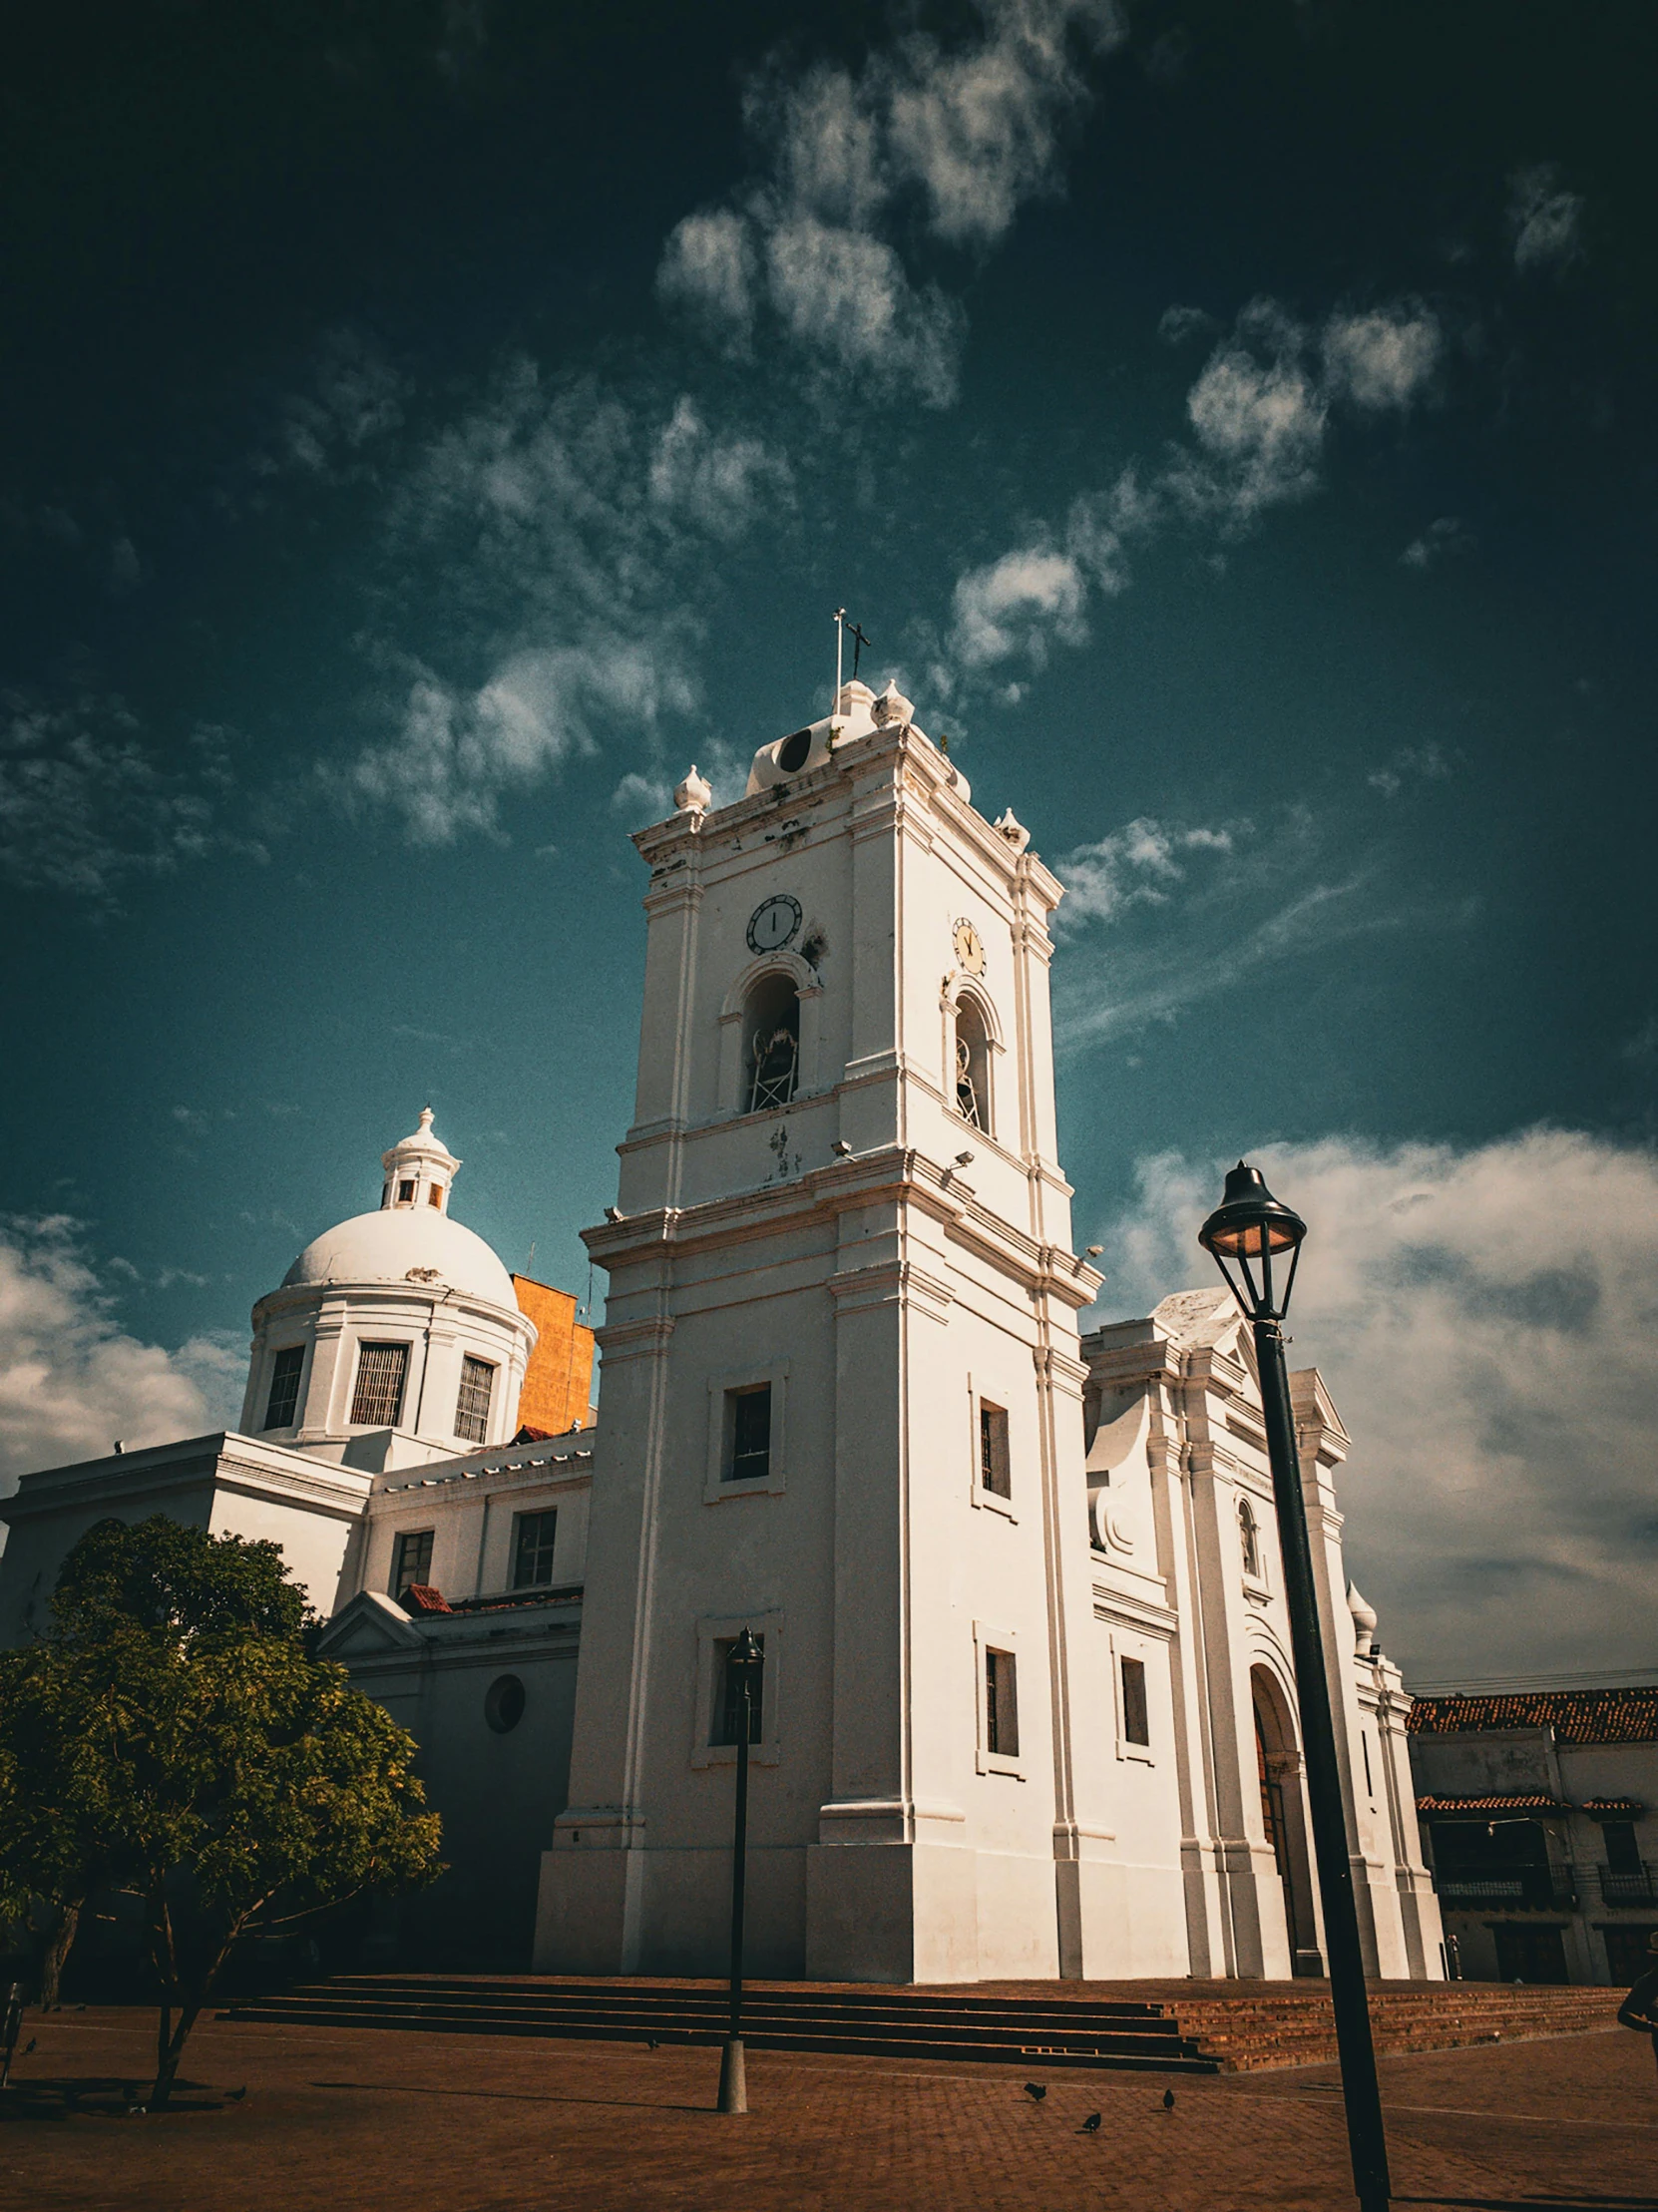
column 1028, row 1705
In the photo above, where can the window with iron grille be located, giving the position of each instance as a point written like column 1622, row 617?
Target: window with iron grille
column 1136, row 1722
column 283, row 1401
column 411, row 1559
column 405, row 1194
column 749, row 1425
column 472, row 1408
column 377, row 1401
column 1001, row 1705
column 533, row 1534
column 994, row 1472
column 727, row 1726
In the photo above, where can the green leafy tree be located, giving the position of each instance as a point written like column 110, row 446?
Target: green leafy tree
column 162, row 1573
column 172, row 1737
column 56, row 1843
column 157, row 1574
column 252, row 1787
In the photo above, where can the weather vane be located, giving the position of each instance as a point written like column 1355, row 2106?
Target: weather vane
column 859, row 641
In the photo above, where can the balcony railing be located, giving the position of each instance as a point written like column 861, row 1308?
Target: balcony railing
column 1523, row 1889
column 1628, row 1886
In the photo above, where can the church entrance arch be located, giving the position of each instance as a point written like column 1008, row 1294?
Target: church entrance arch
column 1282, row 1814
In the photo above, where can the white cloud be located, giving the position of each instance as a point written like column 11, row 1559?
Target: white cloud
column 1259, row 413
column 72, row 1380
column 564, row 532
column 952, row 142
column 1544, row 219
column 1014, row 603
column 457, row 756
column 1134, row 866
column 1383, row 359
column 354, row 397
column 708, row 267
column 1486, row 1318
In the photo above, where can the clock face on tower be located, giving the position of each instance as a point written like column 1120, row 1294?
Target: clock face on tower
column 772, row 924
column 969, row 950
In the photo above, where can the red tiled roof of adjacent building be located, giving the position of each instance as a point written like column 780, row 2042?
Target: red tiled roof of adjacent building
column 1532, row 1803
column 1576, row 1716
column 423, row 1597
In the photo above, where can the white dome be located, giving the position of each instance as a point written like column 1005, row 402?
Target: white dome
column 391, row 1245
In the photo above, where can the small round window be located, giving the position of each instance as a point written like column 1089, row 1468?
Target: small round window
column 793, row 752
column 504, row 1703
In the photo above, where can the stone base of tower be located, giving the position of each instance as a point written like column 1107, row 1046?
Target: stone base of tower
column 928, row 1913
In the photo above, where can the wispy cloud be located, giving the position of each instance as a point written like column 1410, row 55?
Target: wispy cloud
column 562, row 531
column 1545, row 222
column 1138, row 866
column 89, row 801
column 1258, row 416
column 1410, row 764
column 925, row 145
column 1443, row 536
column 1498, row 1510
column 353, row 399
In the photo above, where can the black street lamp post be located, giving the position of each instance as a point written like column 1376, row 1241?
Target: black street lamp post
column 1250, row 1227
column 744, row 1663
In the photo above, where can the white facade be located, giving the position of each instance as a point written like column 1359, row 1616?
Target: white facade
column 948, row 1785
column 1029, row 1706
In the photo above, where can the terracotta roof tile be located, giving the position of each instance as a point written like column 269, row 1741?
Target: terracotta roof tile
column 1576, row 1716
column 1535, row 1802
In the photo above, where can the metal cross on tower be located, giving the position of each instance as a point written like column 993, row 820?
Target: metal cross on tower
column 843, row 627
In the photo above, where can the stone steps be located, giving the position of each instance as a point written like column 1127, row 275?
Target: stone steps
column 1054, row 2024
column 1110, row 2034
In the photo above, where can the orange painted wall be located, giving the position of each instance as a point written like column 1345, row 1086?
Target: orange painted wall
column 559, row 1382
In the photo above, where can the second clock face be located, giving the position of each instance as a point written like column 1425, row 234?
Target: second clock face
column 772, row 924
column 969, row 950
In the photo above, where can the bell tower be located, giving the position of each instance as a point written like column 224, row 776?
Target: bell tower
column 842, row 1401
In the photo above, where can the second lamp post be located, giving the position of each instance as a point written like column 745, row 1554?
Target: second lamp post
column 745, row 1663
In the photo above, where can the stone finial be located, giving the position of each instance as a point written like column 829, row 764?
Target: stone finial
column 1013, row 830
column 1363, row 1624
column 693, row 796
column 890, row 708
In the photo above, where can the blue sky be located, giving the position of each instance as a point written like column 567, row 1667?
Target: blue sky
column 433, row 428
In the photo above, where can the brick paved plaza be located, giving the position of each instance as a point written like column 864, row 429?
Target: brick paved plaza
column 433, row 2123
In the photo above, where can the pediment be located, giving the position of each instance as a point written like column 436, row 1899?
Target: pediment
column 370, row 1622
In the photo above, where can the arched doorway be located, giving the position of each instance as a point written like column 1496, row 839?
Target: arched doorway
column 1278, row 1764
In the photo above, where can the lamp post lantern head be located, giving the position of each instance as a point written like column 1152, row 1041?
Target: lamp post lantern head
column 1249, row 1225
column 747, row 1658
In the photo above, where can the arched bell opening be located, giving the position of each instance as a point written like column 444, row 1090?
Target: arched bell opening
column 970, row 1074
column 770, row 1044
column 1284, row 1816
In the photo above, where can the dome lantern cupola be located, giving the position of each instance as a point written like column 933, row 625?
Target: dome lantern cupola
column 419, row 1169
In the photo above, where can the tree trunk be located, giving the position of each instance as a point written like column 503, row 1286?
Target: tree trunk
column 56, row 1954
column 193, row 1996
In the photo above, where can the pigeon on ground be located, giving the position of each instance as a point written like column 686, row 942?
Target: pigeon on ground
column 650, row 2043
column 1035, row 2091
column 236, row 2095
column 1091, row 2127
column 30, row 2045
column 1168, row 2100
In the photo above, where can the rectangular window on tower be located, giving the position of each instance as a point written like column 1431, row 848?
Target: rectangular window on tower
column 533, row 1537
column 411, row 1559
column 283, row 1401
column 1136, row 1719
column 1001, row 1705
column 377, row 1401
column 993, row 1471
column 472, row 1408
column 748, row 1426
